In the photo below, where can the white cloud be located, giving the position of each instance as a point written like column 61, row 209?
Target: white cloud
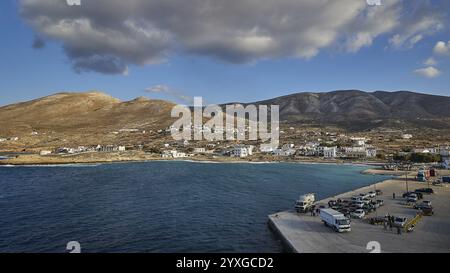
column 160, row 88
column 430, row 62
column 442, row 48
column 108, row 35
column 167, row 90
column 428, row 72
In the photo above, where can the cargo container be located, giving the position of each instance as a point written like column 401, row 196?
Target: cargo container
column 446, row 179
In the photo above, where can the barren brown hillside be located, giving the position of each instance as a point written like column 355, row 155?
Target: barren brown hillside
column 82, row 119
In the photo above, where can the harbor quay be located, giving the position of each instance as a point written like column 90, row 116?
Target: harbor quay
column 305, row 233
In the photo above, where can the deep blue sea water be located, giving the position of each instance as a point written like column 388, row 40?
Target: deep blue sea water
column 158, row 206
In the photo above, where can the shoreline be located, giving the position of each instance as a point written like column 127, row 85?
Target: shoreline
column 198, row 161
column 130, row 157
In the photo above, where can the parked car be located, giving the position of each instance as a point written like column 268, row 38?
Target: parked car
column 380, row 202
column 425, row 190
column 412, row 198
column 421, row 206
column 400, row 221
column 379, row 192
column 359, row 213
column 359, row 204
column 418, row 194
column 372, row 194
column 356, row 198
column 375, row 204
column 427, row 203
column 364, row 195
column 369, row 208
column 427, row 211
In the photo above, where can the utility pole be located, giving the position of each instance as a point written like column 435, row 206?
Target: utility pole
column 375, row 187
column 406, row 180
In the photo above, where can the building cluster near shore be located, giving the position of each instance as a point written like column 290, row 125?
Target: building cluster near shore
column 358, row 149
column 82, row 149
column 319, row 145
column 391, row 146
column 9, row 139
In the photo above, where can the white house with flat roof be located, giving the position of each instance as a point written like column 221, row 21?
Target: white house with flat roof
column 199, row 150
column 266, row 148
column 359, row 141
column 173, row 154
column 329, row 152
column 44, row 153
column 241, row 151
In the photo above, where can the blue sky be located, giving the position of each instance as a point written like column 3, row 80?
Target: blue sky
column 27, row 73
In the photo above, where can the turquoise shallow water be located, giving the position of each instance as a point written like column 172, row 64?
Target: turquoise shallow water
column 158, row 206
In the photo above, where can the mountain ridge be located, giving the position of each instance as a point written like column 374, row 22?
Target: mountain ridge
column 360, row 110
column 96, row 113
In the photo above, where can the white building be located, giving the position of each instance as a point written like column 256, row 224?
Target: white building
column 44, row 152
column 421, row 151
column 65, row 150
column 288, row 146
column 371, row 152
column 199, row 150
column 407, row 136
column 284, row 152
column 330, row 152
column 266, row 148
column 241, row 151
column 444, row 152
column 359, row 152
column 173, row 154
column 129, row 130
column 359, row 141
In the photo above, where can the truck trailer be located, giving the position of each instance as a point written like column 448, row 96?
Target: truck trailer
column 336, row 220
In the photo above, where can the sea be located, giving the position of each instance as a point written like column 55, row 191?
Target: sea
column 159, row 206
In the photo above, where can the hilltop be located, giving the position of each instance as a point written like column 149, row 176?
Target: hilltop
column 82, row 118
column 358, row 110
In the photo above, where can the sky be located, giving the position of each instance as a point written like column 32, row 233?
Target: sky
column 224, row 51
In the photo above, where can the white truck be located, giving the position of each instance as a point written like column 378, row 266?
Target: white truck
column 335, row 219
column 305, row 203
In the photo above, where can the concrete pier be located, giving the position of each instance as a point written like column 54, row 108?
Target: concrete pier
column 307, row 234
